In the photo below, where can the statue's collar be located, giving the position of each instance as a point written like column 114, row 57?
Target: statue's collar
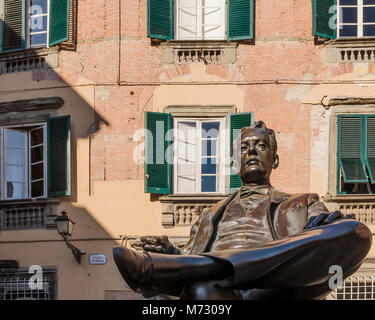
column 276, row 196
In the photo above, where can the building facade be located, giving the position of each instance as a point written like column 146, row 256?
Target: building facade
column 89, row 93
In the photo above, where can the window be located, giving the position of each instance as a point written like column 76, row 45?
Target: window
column 14, row 285
column 190, row 157
column 198, row 149
column 200, row 19
column 34, row 23
column 356, row 154
column 36, row 160
column 24, row 152
column 356, row 18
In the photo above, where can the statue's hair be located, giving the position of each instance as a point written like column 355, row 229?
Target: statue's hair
column 236, row 165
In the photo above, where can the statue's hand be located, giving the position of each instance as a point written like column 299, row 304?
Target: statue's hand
column 159, row 245
column 326, row 218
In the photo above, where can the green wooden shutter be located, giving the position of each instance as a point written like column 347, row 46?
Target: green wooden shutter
column 237, row 121
column 58, row 21
column 351, row 149
column 324, row 18
column 158, row 153
column 13, row 25
column 160, row 19
column 58, row 162
column 370, row 147
column 240, row 19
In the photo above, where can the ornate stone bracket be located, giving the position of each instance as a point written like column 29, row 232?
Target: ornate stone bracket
column 344, row 51
column 28, row 60
column 209, row 52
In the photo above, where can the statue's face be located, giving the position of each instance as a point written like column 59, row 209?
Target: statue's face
column 257, row 158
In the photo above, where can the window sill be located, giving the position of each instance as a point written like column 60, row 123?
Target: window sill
column 29, row 60
column 208, row 51
column 179, row 210
column 21, row 202
column 350, row 50
column 341, row 198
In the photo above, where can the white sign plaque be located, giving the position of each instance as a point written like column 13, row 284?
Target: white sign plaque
column 98, row 259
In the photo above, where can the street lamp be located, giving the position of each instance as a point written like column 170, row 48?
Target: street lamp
column 65, row 228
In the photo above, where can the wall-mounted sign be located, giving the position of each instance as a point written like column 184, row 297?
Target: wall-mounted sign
column 98, row 259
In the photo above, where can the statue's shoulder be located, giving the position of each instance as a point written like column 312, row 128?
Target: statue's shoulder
column 297, row 200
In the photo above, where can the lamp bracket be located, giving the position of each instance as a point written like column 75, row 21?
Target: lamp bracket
column 77, row 253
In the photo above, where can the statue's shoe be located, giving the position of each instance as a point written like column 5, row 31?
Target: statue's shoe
column 136, row 269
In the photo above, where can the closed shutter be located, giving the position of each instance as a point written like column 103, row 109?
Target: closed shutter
column 240, row 16
column 158, row 153
column 324, row 18
column 58, row 21
column 237, row 121
column 350, row 150
column 58, row 162
column 370, row 147
column 160, row 19
column 13, row 25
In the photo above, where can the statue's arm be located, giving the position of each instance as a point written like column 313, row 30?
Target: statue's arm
column 318, row 214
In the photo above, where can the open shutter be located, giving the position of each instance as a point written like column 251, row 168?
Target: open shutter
column 324, row 18
column 350, row 150
column 370, row 147
column 237, row 121
column 58, row 21
column 58, row 162
column 240, row 19
column 160, row 19
column 13, row 25
column 158, row 153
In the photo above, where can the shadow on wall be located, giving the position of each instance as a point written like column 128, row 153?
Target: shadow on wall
column 28, row 77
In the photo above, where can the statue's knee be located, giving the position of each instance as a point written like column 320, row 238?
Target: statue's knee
column 354, row 240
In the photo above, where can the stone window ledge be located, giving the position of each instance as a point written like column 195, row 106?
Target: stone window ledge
column 28, row 214
column 30, row 110
column 29, row 59
column 179, row 210
column 350, row 50
column 209, row 52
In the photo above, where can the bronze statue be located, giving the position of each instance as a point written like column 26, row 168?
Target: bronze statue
column 259, row 243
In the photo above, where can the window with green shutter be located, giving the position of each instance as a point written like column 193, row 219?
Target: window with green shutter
column 200, row 20
column 236, row 122
column 240, row 15
column 58, row 21
column 13, row 25
column 35, row 23
column 324, row 18
column 59, row 173
column 158, row 154
column 195, row 158
column 356, row 154
column 35, row 159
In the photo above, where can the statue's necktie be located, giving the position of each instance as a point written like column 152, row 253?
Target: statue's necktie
column 247, row 191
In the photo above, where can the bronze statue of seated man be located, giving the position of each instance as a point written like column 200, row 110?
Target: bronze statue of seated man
column 258, row 243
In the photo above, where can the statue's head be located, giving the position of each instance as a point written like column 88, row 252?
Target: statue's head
column 255, row 154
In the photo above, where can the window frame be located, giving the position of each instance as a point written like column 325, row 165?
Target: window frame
column 360, row 23
column 221, row 152
column 32, row 126
column 199, row 25
column 27, row 30
column 364, row 159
